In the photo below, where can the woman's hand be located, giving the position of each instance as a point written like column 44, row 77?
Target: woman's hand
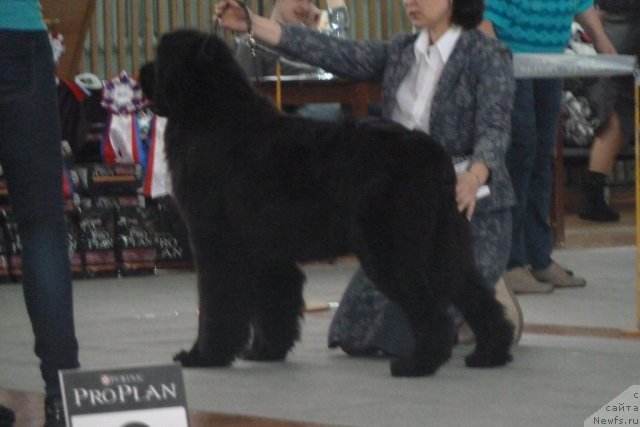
column 313, row 17
column 467, row 187
column 232, row 16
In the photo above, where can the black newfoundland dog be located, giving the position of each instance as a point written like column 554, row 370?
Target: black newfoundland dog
column 261, row 191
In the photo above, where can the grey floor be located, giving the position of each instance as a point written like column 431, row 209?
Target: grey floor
column 553, row 381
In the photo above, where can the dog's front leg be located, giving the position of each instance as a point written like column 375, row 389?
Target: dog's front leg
column 279, row 306
column 226, row 301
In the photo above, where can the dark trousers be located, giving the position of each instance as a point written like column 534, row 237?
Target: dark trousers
column 529, row 161
column 623, row 29
column 31, row 159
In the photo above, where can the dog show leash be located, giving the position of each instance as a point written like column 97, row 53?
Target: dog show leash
column 253, row 46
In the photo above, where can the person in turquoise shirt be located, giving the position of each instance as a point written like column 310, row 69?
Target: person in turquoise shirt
column 537, row 26
column 24, row 15
column 31, row 158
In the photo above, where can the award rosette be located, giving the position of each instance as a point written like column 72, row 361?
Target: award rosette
column 122, row 97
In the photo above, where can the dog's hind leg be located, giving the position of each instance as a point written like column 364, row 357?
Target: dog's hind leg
column 433, row 330
column 402, row 278
column 226, row 301
column 279, row 307
column 486, row 318
column 392, row 246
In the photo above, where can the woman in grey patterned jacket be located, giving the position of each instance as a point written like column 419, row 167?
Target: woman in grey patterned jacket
column 448, row 80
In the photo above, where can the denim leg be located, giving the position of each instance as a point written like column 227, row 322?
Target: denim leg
column 538, row 233
column 31, row 159
column 520, row 160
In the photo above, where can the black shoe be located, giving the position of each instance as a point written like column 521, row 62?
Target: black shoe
column 593, row 206
column 53, row 412
column 7, row 417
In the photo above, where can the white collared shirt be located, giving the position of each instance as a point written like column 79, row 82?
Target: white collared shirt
column 415, row 95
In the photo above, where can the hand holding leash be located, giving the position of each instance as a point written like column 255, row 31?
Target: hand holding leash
column 313, row 18
column 235, row 16
column 232, row 15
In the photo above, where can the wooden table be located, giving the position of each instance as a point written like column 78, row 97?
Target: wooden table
column 311, row 89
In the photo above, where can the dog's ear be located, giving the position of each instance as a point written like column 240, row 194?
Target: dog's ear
column 173, row 72
column 196, row 75
column 147, row 79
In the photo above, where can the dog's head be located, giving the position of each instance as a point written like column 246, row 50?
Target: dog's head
column 195, row 73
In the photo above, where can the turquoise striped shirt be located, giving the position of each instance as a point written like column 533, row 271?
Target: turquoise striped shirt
column 23, row 15
column 534, row 25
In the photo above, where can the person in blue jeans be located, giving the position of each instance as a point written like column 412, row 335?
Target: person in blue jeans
column 31, row 158
column 537, row 26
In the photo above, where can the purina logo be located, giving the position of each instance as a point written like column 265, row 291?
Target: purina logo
column 110, row 380
column 624, row 410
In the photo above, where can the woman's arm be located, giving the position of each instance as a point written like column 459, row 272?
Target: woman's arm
column 347, row 58
column 495, row 92
column 365, row 60
column 592, row 24
column 494, row 95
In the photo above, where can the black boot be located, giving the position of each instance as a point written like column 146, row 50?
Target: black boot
column 7, row 418
column 53, row 412
column 592, row 204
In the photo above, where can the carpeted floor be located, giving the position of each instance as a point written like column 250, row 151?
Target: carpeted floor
column 555, row 380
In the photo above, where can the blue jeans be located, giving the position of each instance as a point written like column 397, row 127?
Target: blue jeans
column 30, row 154
column 529, row 161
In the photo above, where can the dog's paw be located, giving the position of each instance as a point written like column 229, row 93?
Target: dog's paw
column 184, row 358
column 263, row 355
column 192, row 359
column 409, row 367
column 487, row 359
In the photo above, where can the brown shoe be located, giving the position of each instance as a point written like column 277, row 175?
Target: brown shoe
column 465, row 334
column 558, row 277
column 512, row 309
column 520, row 281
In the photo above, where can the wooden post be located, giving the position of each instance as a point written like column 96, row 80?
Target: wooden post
column 636, row 90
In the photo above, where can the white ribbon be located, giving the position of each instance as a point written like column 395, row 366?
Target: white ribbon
column 122, row 140
column 158, row 180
